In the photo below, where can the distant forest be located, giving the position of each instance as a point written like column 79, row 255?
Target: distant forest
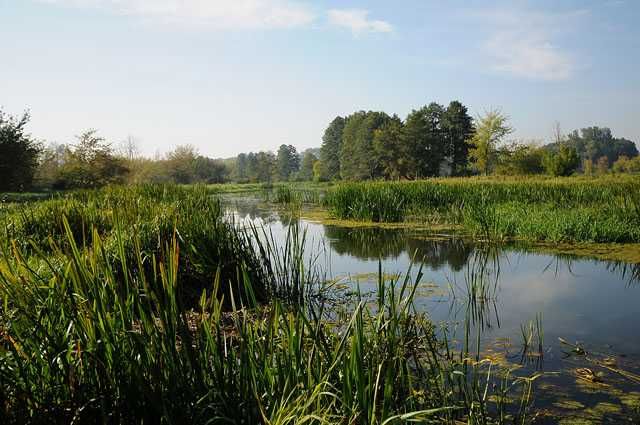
column 431, row 141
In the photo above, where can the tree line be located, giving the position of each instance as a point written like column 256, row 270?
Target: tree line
column 431, row 141
column 445, row 141
column 285, row 165
column 90, row 161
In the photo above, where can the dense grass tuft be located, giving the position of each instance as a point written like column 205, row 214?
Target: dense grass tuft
column 539, row 209
column 145, row 215
column 93, row 338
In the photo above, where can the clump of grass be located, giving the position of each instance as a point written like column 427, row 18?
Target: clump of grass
column 288, row 194
column 535, row 209
column 145, row 215
column 88, row 336
column 376, row 202
column 532, row 333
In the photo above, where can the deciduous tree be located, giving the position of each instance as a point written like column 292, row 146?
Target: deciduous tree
column 90, row 163
column 564, row 162
column 288, row 162
column 390, row 150
column 306, row 168
column 18, row 153
column 491, row 129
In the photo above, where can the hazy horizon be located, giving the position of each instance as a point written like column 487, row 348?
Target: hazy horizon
column 237, row 76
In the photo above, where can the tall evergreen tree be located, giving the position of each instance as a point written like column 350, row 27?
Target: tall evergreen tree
column 457, row 127
column 331, row 149
column 425, row 140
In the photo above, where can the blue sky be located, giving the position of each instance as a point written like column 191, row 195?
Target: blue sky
column 236, row 75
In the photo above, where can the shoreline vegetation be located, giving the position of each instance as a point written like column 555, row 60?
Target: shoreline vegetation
column 539, row 210
column 145, row 305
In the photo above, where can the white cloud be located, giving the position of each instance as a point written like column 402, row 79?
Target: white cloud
column 521, row 44
column 357, row 21
column 219, row 14
column 528, row 54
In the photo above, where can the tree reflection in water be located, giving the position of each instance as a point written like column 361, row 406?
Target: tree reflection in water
column 373, row 243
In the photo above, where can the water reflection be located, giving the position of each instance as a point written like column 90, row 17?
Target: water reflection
column 371, row 243
column 504, row 302
column 628, row 272
column 366, row 243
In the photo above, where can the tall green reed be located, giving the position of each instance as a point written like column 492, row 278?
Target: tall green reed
column 538, row 209
column 89, row 337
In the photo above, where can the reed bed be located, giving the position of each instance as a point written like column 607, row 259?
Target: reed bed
column 289, row 194
column 539, row 209
column 146, row 215
column 97, row 325
column 84, row 343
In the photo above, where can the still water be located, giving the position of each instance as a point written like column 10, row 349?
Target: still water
column 585, row 311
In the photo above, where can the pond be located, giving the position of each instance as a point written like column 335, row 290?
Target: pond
column 572, row 319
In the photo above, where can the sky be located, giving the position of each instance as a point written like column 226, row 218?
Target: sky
column 231, row 76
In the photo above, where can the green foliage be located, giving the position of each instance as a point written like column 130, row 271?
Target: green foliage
column 356, row 160
column 390, row 150
column 317, row 171
column 184, row 165
column 261, row 166
column 564, row 162
column 140, row 217
column 587, row 167
column 457, row 128
column 240, row 172
column 208, row 170
column 602, row 165
column 375, row 202
column 626, row 165
column 592, row 143
column 89, row 163
column 287, row 162
column 519, row 159
column 424, row 136
column 490, row 130
column 370, row 145
column 576, row 210
column 331, row 150
column 18, row 153
column 181, row 164
column 307, row 166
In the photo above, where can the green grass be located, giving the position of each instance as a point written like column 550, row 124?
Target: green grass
column 15, row 197
column 146, row 215
column 81, row 344
column 535, row 208
column 261, row 187
column 97, row 325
